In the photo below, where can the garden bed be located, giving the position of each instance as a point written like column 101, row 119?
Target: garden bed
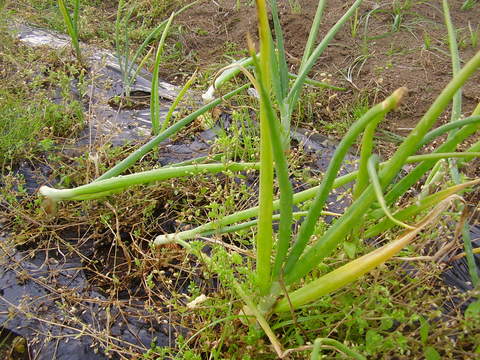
column 87, row 283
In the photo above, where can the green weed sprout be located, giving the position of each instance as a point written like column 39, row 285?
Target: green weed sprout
column 72, row 25
column 468, row 4
column 154, row 99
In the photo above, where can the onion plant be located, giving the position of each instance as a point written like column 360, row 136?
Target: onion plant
column 286, row 94
column 128, row 62
column 456, row 113
column 72, row 25
column 154, row 98
column 286, row 260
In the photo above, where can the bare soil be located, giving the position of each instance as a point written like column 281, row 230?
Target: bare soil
column 380, row 57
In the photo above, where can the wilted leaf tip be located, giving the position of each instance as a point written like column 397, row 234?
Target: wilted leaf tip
column 395, row 99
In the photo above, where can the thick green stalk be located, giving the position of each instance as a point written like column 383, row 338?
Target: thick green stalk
column 355, row 269
column 457, row 99
column 286, row 190
column 177, row 100
column 365, row 152
column 308, row 226
column 294, row 93
column 144, row 177
column 72, row 26
column 312, row 36
column 447, row 127
column 265, row 233
column 154, row 97
column 138, row 154
column 354, row 215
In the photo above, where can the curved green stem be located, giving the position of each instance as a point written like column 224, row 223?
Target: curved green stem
column 354, row 215
column 447, row 127
column 365, row 152
column 317, row 345
column 138, row 154
column 307, row 228
column 372, row 172
column 117, row 183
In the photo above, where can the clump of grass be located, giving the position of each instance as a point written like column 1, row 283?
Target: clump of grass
column 468, row 4
column 28, row 115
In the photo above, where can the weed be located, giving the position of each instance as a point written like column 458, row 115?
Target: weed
column 30, row 118
column 474, row 35
column 295, row 6
column 468, row 4
column 127, row 62
column 427, row 41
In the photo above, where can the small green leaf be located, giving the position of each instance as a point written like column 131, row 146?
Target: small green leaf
column 386, row 324
column 350, row 249
column 373, row 341
column 424, row 329
column 431, row 353
column 473, row 310
column 236, row 258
